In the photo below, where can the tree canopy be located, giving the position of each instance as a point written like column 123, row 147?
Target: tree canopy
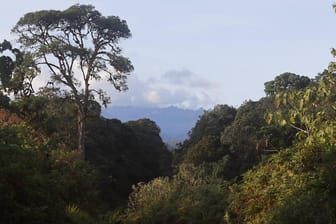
column 286, row 81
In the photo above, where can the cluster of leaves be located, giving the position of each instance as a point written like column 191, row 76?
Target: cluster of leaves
column 45, row 115
column 293, row 186
column 286, row 81
column 80, row 33
column 38, row 184
column 189, row 196
column 204, row 144
column 297, row 185
column 125, row 154
column 17, row 70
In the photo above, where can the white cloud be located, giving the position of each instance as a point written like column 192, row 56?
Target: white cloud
column 152, row 96
column 178, row 88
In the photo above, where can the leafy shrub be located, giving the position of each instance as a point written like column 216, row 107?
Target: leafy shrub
column 188, row 197
column 36, row 184
column 294, row 186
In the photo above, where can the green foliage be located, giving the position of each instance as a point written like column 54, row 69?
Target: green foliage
column 286, row 81
column 311, row 111
column 126, row 154
column 203, row 138
column 189, row 197
column 16, row 75
column 44, row 114
column 294, row 186
column 79, row 33
column 242, row 133
column 4, row 101
column 36, row 184
column 242, row 136
column 207, row 150
column 212, row 123
column 77, row 216
column 154, row 153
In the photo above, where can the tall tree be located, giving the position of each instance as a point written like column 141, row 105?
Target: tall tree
column 78, row 46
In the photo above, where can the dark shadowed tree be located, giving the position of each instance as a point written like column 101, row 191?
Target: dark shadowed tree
column 286, row 81
column 17, row 70
column 78, row 46
column 212, row 123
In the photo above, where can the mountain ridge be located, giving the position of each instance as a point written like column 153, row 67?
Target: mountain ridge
column 174, row 122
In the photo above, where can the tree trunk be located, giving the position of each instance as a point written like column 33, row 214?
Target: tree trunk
column 81, row 133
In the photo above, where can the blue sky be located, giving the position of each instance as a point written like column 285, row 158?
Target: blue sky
column 197, row 53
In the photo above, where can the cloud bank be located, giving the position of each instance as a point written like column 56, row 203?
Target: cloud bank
column 181, row 88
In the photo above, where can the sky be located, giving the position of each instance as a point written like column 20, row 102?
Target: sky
column 199, row 53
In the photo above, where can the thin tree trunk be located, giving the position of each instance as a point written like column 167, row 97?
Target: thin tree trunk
column 81, row 133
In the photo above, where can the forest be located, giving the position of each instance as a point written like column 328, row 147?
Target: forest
column 267, row 161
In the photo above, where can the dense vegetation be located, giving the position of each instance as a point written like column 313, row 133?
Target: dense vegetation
column 267, row 161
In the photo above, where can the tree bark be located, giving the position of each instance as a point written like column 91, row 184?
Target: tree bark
column 81, row 133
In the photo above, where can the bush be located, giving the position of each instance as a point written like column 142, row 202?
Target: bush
column 294, row 186
column 36, row 184
column 189, row 197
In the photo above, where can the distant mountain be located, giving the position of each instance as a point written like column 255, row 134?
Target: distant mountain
column 175, row 123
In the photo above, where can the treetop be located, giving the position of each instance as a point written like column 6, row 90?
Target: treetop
column 79, row 17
